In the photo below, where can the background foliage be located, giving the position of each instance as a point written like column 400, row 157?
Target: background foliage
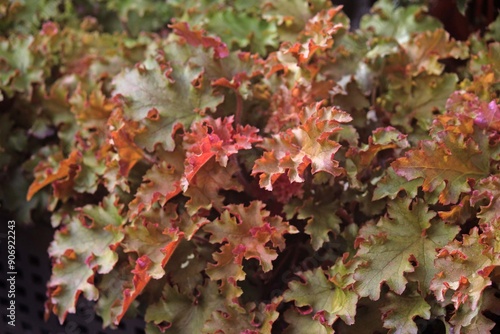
column 237, row 166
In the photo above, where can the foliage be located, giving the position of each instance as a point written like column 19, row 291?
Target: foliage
column 256, row 167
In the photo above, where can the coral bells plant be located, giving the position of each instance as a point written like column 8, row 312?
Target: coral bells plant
column 256, row 167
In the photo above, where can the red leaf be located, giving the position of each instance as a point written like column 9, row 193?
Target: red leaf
column 195, row 38
column 67, row 170
column 141, row 277
column 485, row 115
column 247, row 232
column 215, row 138
column 293, row 151
column 128, row 151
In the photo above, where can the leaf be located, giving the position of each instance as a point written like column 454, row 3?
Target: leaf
column 91, row 169
column 160, row 183
column 228, row 264
column 481, row 324
column 253, row 319
column 464, row 267
column 484, row 66
column 386, row 21
column 185, row 269
column 293, row 151
column 284, row 190
column 391, row 184
column 381, row 139
column 467, row 320
column 154, row 244
column 400, row 311
column 247, row 231
column 20, row 66
column 134, row 17
column 93, row 234
column 128, row 151
column 417, row 98
column 319, row 295
column 474, row 320
column 70, row 277
column 187, row 224
column 486, row 61
column 487, row 189
column 493, row 32
column 154, row 238
column 163, row 97
column 486, row 115
column 290, row 16
column 196, row 38
column 26, row 17
column 111, row 287
column 45, row 174
column 244, row 31
column 460, row 213
column 453, row 161
column 462, row 6
column 487, row 192
column 215, row 138
column 185, row 313
column 321, row 220
column 404, row 236
column 368, row 312
column 319, row 34
column 91, row 110
column 300, row 323
column 427, row 48
column 204, row 189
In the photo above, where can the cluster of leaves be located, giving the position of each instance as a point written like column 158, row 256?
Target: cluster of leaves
column 254, row 166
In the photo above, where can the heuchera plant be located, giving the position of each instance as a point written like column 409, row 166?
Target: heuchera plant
column 254, row 166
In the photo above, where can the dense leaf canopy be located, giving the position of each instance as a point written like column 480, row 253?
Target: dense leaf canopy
column 255, row 166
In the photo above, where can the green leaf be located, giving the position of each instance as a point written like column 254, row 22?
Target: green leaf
column 418, row 98
column 400, row 311
column 252, row 319
column 300, row 323
column 321, row 219
column 185, row 269
column 319, row 294
column 183, row 313
column 451, row 161
column 399, row 23
column 160, row 183
column 493, row 32
column 427, row 48
column 70, row 277
column 464, row 267
column 111, row 287
column 391, row 184
column 92, row 234
column 290, row 16
column 152, row 241
column 83, row 245
column 406, row 234
column 244, row 31
column 20, row 67
column 462, row 6
column 164, row 97
column 26, row 16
